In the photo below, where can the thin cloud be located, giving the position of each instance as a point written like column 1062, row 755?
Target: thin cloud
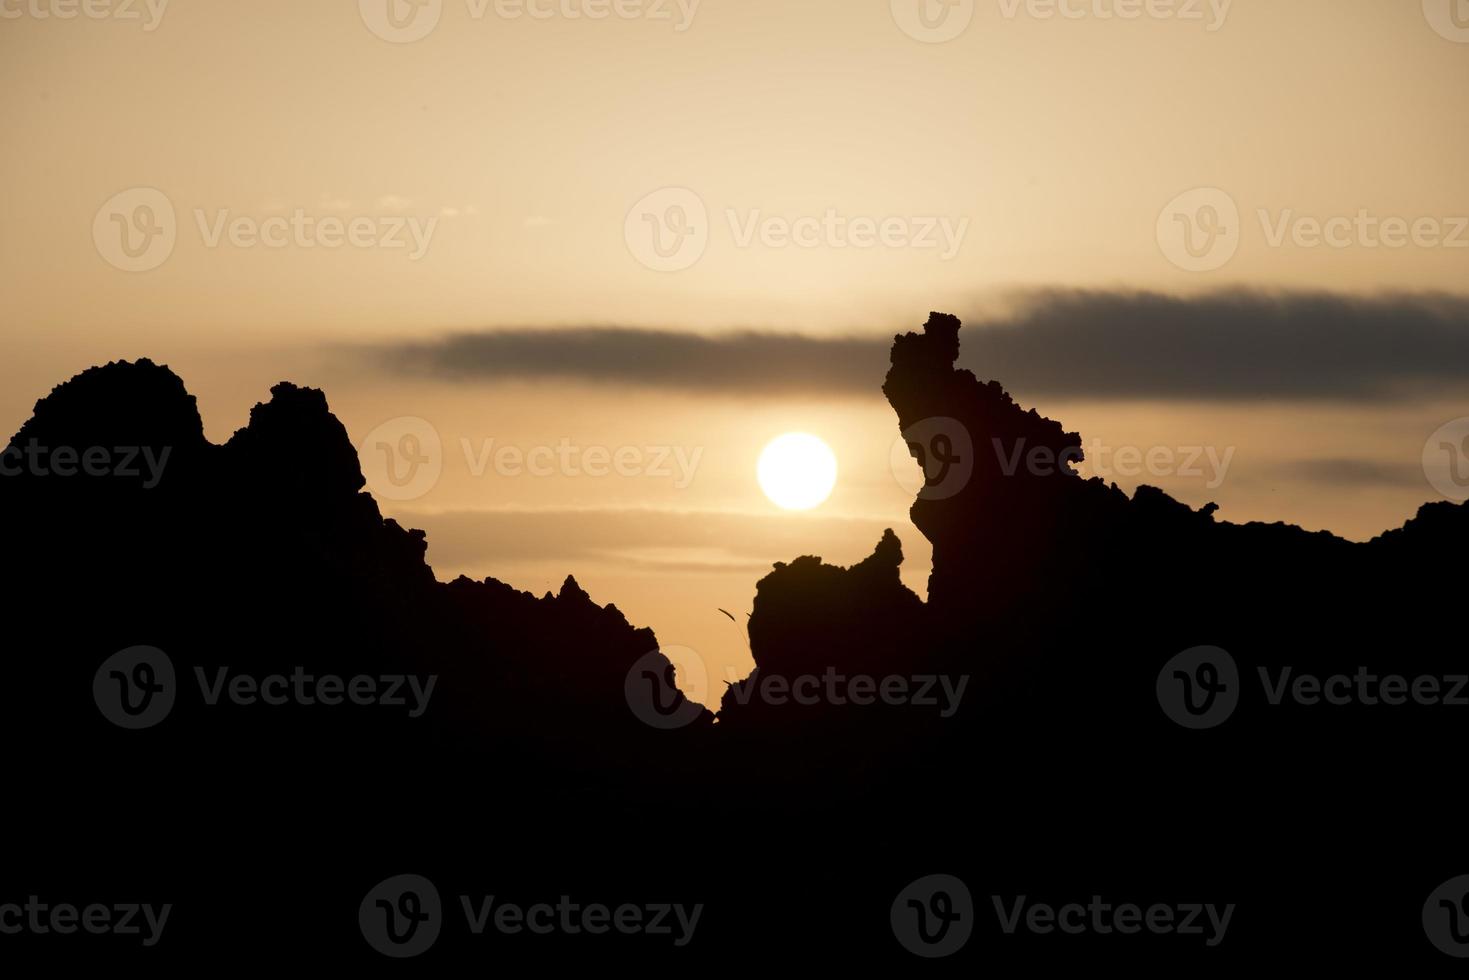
column 1362, row 473
column 1222, row 346
column 1229, row 345
column 748, row 363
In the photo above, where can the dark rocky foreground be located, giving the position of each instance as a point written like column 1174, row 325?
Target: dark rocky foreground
column 1082, row 751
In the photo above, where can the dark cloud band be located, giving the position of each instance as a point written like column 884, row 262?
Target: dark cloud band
column 1220, row 346
column 731, row 363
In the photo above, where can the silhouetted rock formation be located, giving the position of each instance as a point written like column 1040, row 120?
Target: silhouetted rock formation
column 1063, row 599
column 1047, row 763
column 1045, row 580
column 265, row 553
column 805, row 612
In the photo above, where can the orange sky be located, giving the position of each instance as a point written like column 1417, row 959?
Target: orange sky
column 827, row 168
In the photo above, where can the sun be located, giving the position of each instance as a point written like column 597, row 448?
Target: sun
column 797, row 471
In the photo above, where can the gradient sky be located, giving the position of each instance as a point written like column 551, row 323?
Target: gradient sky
column 529, row 150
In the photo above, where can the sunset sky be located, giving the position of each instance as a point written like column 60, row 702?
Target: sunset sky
column 1231, row 238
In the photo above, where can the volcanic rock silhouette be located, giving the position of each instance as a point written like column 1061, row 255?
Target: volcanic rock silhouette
column 1054, row 604
column 1036, row 563
column 263, row 554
